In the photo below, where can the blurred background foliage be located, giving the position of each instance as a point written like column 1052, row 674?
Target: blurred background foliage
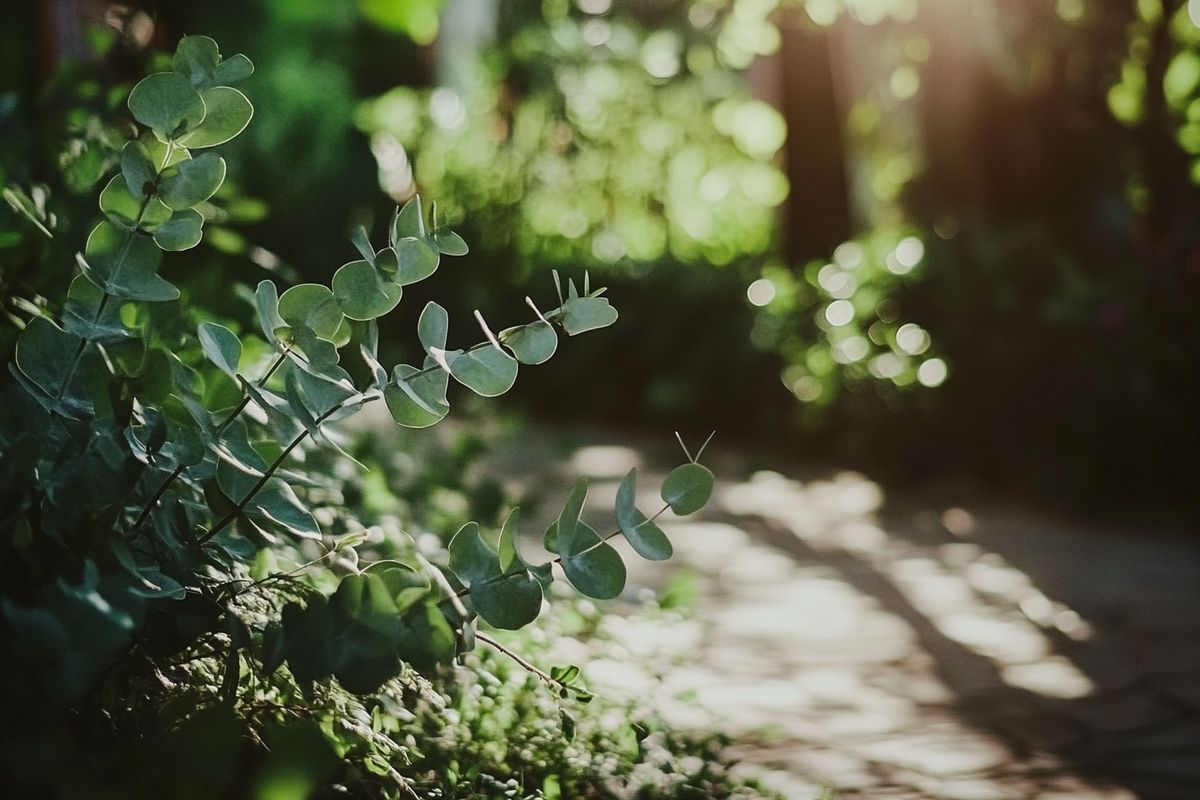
column 963, row 232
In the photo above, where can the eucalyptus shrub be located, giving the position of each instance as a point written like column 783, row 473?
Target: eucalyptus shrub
column 150, row 467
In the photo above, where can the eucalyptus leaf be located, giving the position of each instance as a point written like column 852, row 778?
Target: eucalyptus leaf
column 138, row 169
column 581, row 314
column 534, row 343
column 450, row 243
column 409, row 222
column 168, row 103
column 415, row 260
column 311, row 305
column 510, row 601
column 276, row 502
column 182, row 232
column 362, row 243
column 595, row 569
column 472, row 559
column 361, row 293
column 316, row 351
column 646, row 538
column 417, row 398
column 507, row 599
column 487, row 371
column 228, row 114
column 433, row 326
column 687, row 488
column 129, row 211
column 324, row 392
column 266, row 303
column 191, row 182
column 568, row 519
column 221, row 346
column 84, row 316
column 234, row 69
column 125, row 264
column 45, row 354
column 387, row 262
column 196, row 59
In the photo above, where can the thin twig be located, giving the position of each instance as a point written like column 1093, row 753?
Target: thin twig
column 528, row 667
column 237, row 510
column 225, row 423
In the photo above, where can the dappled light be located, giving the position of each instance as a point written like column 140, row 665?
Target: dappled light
column 863, row 647
column 600, row 399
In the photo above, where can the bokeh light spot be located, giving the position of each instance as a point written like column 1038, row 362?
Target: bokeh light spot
column 839, row 312
column 761, row 292
column 932, row 373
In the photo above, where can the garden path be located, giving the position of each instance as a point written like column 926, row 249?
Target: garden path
column 898, row 647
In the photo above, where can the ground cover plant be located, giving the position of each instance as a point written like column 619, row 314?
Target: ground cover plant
column 192, row 602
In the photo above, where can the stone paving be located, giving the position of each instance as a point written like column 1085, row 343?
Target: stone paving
column 908, row 650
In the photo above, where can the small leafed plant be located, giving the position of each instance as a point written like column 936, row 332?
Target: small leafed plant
column 152, row 460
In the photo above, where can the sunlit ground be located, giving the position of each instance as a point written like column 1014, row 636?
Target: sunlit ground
column 912, row 649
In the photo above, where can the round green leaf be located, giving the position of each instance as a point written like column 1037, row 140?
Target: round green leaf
column 534, row 343
column 687, row 488
column 509, row 601
column 409, row 222
column 196, row 58
column 266, row 303
column 362, row 243
column 192, row 181
column 182, row 232
column 221, row 346
column 568, row 521
column 312, row 305
column 646, row 538
column 229, row 113
column 361, row 293
column 158, row 152
column 123, row 207
column 415, row 260
column 166, row 102
column 138, row 169
column 232, row 70
column 487, row 371
column 44, row 354
column 83, row 316
column 506, row 548
column 450, row 243
column 386, row 262
column 471, row 559
column 417, row 402
column 580, row 314
column 596, row 570
column 125, row 264
column 433, row 326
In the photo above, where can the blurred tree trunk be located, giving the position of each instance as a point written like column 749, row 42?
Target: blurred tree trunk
column 799, row 81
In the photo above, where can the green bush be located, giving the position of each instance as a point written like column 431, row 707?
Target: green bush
column 191, row 607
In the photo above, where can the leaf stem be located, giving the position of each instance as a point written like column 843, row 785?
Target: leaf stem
column 525, row 665
column 558, row 559
column 555, row 314
column 83, row 343
column 175, row 473
column 237, row 510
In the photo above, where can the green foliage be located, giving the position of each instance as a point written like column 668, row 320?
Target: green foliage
column 640, row 149
column 172, row 562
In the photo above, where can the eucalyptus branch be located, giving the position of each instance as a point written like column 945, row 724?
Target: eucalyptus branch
column 83, row 343
column 525, row 665
column 175, row 473
column 558, row 559
column 489, row 342
column 273, row 468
